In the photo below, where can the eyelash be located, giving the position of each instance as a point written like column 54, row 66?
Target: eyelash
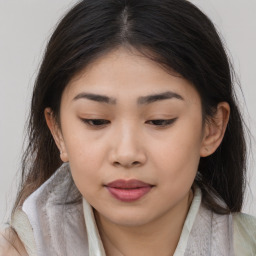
column 102, row 122
column 162, row 122
column 91, row 122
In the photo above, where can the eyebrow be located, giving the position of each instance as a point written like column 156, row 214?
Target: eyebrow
column 141, row 100
column 157, row 97
column 95, row 97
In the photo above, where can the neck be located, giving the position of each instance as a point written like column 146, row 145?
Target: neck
column 159, row 237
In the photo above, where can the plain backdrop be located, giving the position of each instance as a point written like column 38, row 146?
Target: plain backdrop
column 25, row 27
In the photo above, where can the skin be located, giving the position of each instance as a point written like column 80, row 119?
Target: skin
column 129, row 145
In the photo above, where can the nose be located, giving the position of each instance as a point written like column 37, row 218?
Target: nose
column 127, row 149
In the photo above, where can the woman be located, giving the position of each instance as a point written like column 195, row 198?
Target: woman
column 136, row 141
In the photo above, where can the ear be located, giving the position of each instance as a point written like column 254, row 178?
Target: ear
column 56, row 133
column 214, row 130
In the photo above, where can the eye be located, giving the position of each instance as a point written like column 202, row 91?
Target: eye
column 161, row 122
column 96, row 122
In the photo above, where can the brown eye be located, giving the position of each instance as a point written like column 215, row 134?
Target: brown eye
column 161, row 122
column 95, row 122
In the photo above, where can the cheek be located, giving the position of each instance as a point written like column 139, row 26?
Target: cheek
column 80, row 144
column 84, row 158
column 83, row 166
column 178, row 155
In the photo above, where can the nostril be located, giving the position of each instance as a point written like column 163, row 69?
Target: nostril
column 118, row 164
column 136, row 163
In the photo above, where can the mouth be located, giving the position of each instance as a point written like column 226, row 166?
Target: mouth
column 128, row 190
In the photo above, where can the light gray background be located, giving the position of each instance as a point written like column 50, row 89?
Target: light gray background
column 25, row 26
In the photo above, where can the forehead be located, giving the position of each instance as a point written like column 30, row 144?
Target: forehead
column 125, row 74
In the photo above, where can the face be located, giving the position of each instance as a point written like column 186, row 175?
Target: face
column 133, row 136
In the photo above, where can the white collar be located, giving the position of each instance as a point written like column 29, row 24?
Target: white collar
column 94, row 240
column 95, row 243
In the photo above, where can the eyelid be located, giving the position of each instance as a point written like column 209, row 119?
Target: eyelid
column 102, row 122
column 167, row 122
column 159, row 123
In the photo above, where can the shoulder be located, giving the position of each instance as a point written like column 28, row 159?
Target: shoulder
column 10, row 244
column 244, row 233
column 245, row 224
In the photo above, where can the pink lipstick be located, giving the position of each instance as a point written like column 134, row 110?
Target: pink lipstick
column 128, row 190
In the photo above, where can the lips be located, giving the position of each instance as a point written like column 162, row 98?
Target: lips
column 128, row 190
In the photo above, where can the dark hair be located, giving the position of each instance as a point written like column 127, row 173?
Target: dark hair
column 173, row 33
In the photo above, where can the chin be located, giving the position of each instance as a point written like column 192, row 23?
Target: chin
column 130, row 218
column 128, row 222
